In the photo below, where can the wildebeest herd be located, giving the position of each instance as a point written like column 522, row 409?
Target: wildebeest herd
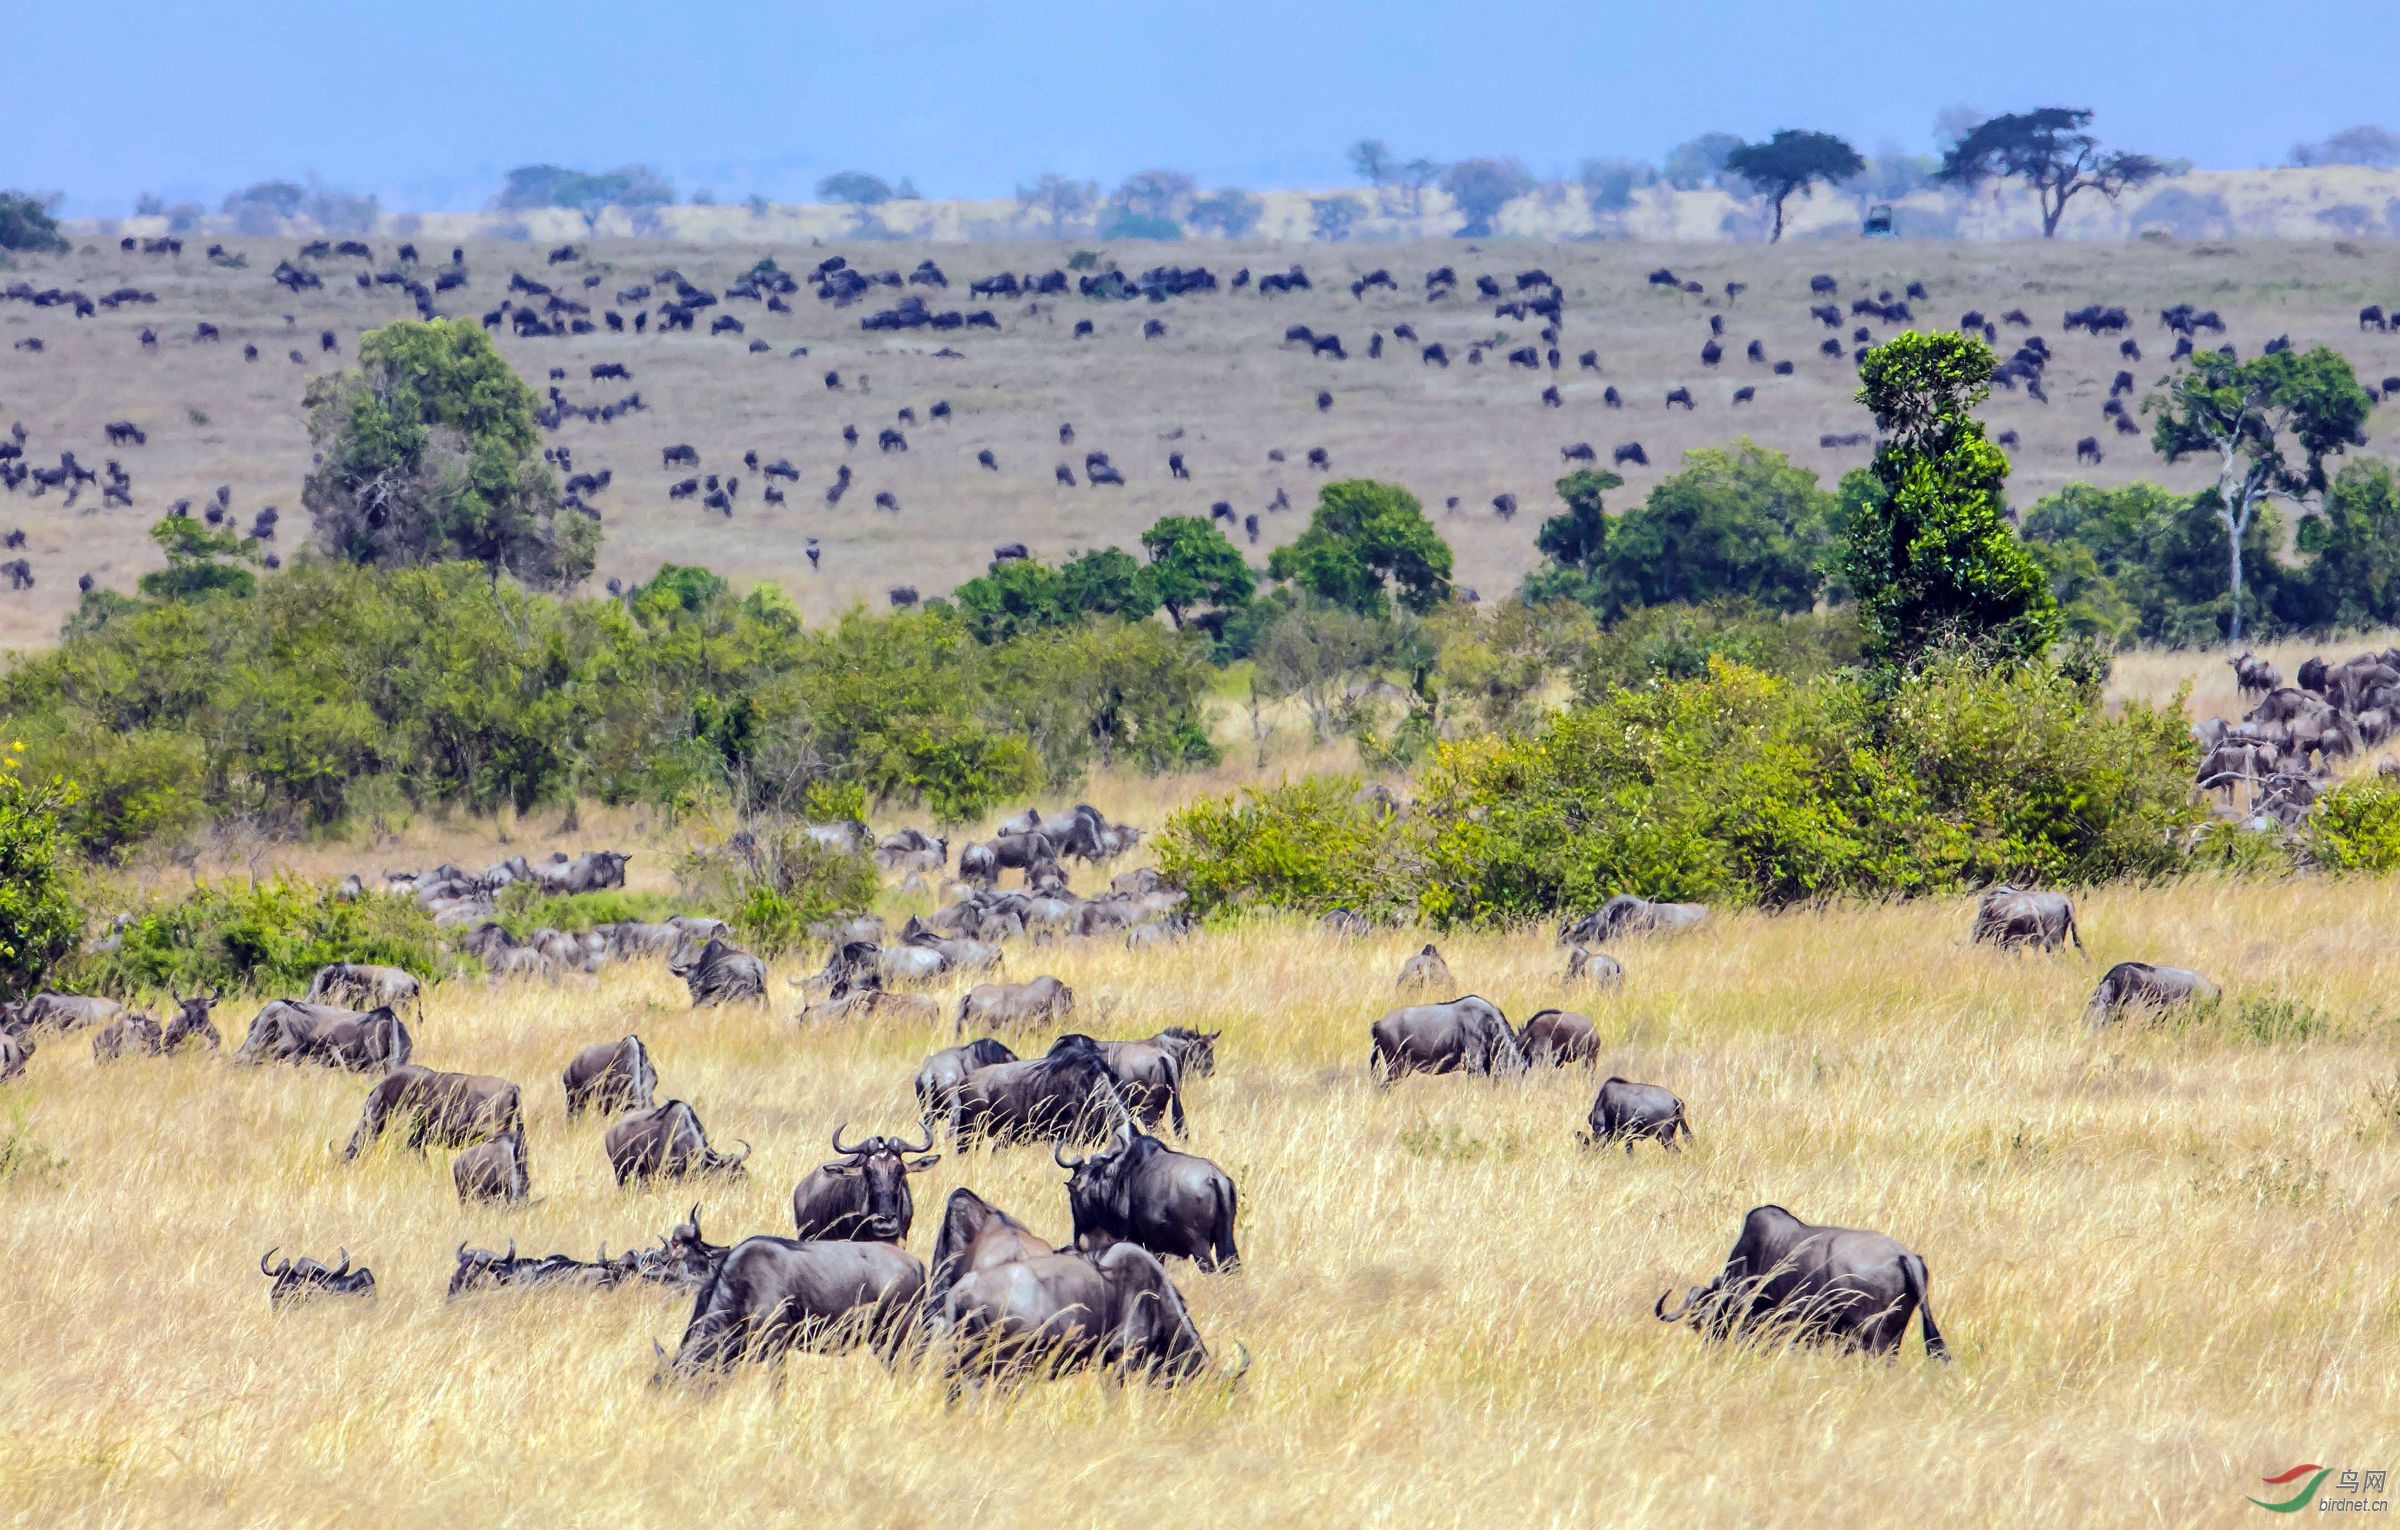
column 2267, row 767
column 995, row 1301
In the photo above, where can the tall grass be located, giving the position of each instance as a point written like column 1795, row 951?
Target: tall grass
column 2162, row 1254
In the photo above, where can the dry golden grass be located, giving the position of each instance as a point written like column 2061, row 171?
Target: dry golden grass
column 2162, row 1256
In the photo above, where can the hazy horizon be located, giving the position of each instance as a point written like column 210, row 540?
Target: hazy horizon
column 430, row 108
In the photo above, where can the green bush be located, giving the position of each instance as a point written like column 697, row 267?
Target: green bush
column 266, row 937
column 1306, row 847
column 39, row 922
column 2356, row 826
column 524, row 908
column 784, row 884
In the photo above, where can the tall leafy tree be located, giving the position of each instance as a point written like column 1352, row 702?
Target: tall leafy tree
column 1744, row 524
column 2269, row 423
column 1230, row 211
column 1332, row 218
column 1481, row 187
column 26, row 224
column 1366, row 540
column 854, row 188
column 1191, row 564
column 1698, row 162
column 1372, row 159
column 1575, row 541
column 2049, row 150
column 1794, row 160
column 1932, row 560
column 428, row 451
column 1060, row 198
column 2353, row 577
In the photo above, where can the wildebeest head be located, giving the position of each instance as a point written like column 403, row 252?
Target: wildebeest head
column 880, row 1201
column 296, row 1279
column 1100, row 1187
column 1195, row 1050
column 191, row 1023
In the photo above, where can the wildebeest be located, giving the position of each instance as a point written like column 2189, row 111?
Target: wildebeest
column 718, row 972
column 592, row 871
column 1139, row 1190
column 1149, row 1073
column 1627, row 1112
column 191, row 1023
column 12, row 1056
column 864, row 1193
column 360, row 983
column 290, row 1030
column 1060, row 1312
column 1066, row 1095
column 297, row 1279
column 665, row 1142
column 938, row 1080
column 1557, row 1037
column 2009, row 917
column 2139, row 985
column 1830, row 1284
column 494, row 1170
column 47, row 1011
column 769, row 1295
column 445, row 1109
column 483, row 1269
column 1630, row 451
column 1467, row 1035
column 1595, row 967
column 129, row 1032
column 997, row 1006
column 610, row 1076
column 1426, row 969
column 1625, row 914
column 975, row 1235
column 2253, row 675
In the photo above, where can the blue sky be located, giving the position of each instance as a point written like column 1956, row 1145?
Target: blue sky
column 429, row 102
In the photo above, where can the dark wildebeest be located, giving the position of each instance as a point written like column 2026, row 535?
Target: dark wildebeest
column 483, row 1269
column 974, row 1235
column 1060, row 1312
column 65, row 1011
column 1467, row 1035
column 1627, row 1112
column 2254, row 675
column 371, row 986
column 995, row 1006
column 610, row 1076
column 191, row 1023
column 1625, row 914
column 2009, row 918
column 1149, row 1074
column 289, row 1030
column 446, row 1109
column 864, row 1194
column 12, row 1056
column 937, row 1082
column 1557, row 1037
column 2138, row 985
column 1140, row 1191
column 494, row 1170
column 1067, row 1094
column 718, row 972
column 665, row 1142
column 592, row 871
column 129, row 1032
column 1595, row 967
column 1426, row 969
column 1345, row 923
column 296, row 1279
column 1833, row 1284
column 769, row 1295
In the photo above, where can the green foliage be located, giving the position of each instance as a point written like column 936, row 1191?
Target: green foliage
column 39, row 922
column 2356, row 826
column 1363, row 537
column 1794, row 160
column 528, row 187
column 430, row 452
column 1307, row 847
column 201, row 561
column 1682, row 642
column 1230, row 213
column 1125, row 223
column 1609, row 184
column 1699, row 161
column 1742, row 524
column 786, row 883
column 523, row 908
column 1481, row 188
column 1192, row 564
column 1338, row 662
column 2048, row 149
column 26, row 225
column 1576, row 543
column 2135, row 563
column 1025, row 595
column 265, row 937
column 1932, row 560
column 854, row 187
column 2353, row 577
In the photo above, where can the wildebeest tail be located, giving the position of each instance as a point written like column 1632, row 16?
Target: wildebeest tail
column 1222, row 1253
column 1912, row 1274
column 2074, row 934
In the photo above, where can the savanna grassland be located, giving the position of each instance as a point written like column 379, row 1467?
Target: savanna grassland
column 1219, row 385
column 2162, row 1255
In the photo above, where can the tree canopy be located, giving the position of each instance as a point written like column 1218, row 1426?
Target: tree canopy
column 529, row 187
column 1481, row 187
column 1794, row 160
column 1364, row 540
column 855, row 188
column 428, row 452
column 1741, row 524
column 1191, row 564
column 2048, row 149
column 1699, row 161
column 26, row 224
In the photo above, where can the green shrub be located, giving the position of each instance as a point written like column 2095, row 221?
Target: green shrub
column 787, row 882
column 1306, row 847
column 266, row 937
column 524, row 908
column 39, row 922
column 2356, row 826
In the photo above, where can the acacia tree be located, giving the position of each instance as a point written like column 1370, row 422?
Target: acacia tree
column 1372, row 159
column 2048, row 149
column 1332, row 218
column 1794, row 160
column 1481, row 187
column 1931, row 556
column 2270, row 423
column 1060, row 198
column 428, row 451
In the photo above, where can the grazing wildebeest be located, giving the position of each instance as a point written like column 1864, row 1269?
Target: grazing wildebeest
column 718, row 972
column 1149, row 1075
column 1557, row 1037
column 1830, row 1284
column 1067, row 1094
column 371, row 986
column 1595, row 967
column 2139, row 985
column 2253, row 675
column 1141, row 1191
column 65, row 1011
column 592, row 871
column 445, row 1109
column 665, row 1142
column 1625, row 914
column 1631, row 452
column 1467, row 1035
column 862, row 1195
column 938, row 1080
column 769, row 1295
column 1345, row 923
column 1627, row 1112
column 994, row 1006
column 1426, row 969
column 974, row 1235
column 2088, row 449
column 297, row 1279
column 610, row 1076
column 494, row 1170
column 1060, row 1312
column 129, row 1032
column 289, row 1030
column 2009, row 917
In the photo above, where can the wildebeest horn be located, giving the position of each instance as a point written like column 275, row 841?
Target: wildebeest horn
column 694, row 1219
column 512, row 1251
column 345, row 1269
column 1664, row 1316
column 900, row 1146
column 1060, row 1158
column 837, row 1141
column 745, row 1153
column 461, row 1255
column 278, row 1272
